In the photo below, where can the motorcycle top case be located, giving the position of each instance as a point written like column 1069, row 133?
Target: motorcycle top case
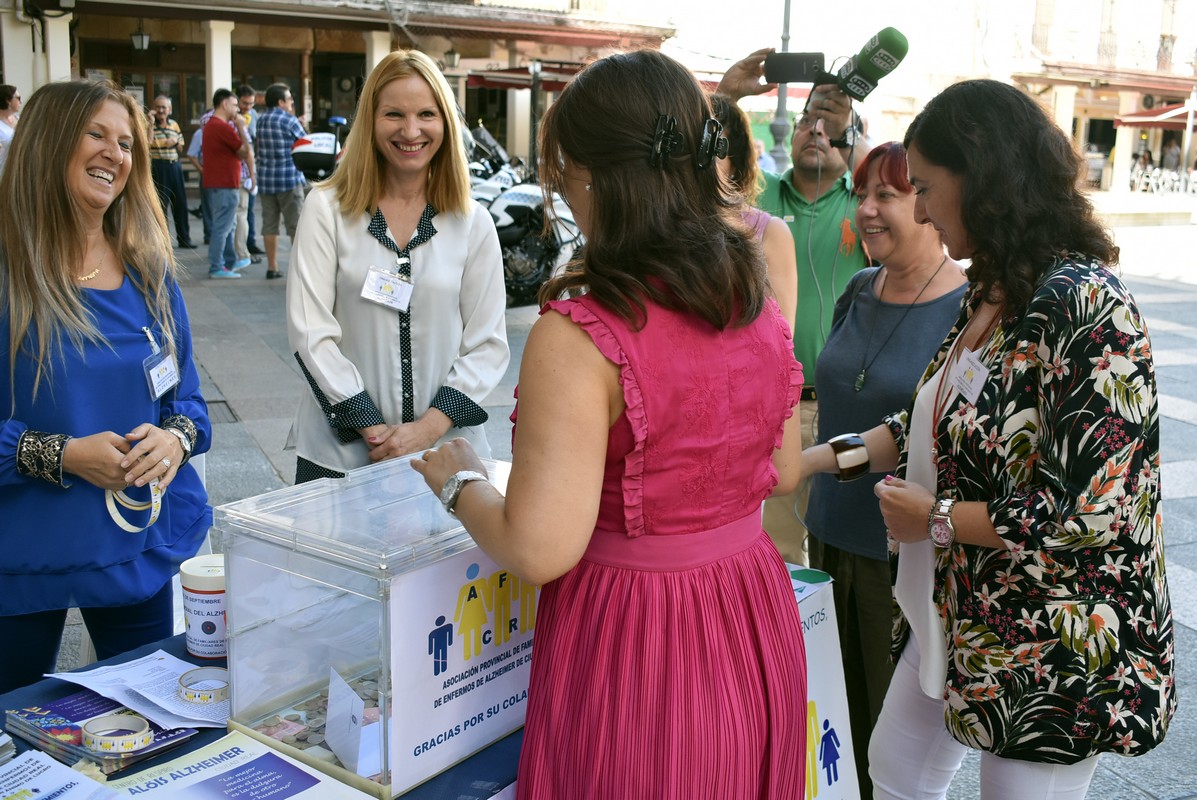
column 315, row 155
column 368, row 635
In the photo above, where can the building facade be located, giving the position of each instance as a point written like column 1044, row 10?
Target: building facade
column 323, row 49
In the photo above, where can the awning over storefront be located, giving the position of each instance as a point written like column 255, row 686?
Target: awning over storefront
column 552, row 79
column 1171, row 118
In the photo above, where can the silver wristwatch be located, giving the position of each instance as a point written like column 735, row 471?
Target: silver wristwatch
column 183, row 440
column 452, row 488
column 939, row 523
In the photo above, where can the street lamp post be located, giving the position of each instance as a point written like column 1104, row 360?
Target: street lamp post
column 780, row 126
column 534, row 68
column 1190, row 106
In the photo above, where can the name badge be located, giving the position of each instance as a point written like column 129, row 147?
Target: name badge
column 161, row 373
column 970, row 376
column 387, row 288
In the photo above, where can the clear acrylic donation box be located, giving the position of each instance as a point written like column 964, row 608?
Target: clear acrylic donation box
column 367, row 634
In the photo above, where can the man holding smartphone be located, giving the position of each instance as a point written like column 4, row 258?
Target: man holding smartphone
column 815, row 199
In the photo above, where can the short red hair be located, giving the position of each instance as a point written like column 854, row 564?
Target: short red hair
column 891, row 167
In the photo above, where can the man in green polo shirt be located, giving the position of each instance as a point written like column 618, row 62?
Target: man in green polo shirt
column 814, row 197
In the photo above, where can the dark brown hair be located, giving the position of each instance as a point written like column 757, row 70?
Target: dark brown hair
column 1021, row 202
column 745, row 174
column 667, row 234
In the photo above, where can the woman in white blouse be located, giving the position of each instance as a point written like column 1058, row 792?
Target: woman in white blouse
column 395, row 307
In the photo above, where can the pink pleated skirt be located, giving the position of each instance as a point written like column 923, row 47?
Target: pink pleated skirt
column 668, row 667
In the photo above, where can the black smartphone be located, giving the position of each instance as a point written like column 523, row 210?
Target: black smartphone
column 793, row 67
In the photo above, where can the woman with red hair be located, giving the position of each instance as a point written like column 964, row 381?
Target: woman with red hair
column 886, row 327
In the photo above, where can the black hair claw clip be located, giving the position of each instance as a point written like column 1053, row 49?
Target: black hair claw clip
column 666, row 142
column 713, row 145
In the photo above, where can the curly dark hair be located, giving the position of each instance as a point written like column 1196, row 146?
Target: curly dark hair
column 1021, row 199
column 666, row 234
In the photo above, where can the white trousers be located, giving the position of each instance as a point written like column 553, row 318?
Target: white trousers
column 913, row 757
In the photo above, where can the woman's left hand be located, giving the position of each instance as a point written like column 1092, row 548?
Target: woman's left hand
column 905, row 508
column 155, row 454
column 400, row 440
column 438, row 465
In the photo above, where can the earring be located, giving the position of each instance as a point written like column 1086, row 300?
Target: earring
column 588, row 187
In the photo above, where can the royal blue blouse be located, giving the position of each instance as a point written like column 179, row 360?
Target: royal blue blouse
column 59, row 547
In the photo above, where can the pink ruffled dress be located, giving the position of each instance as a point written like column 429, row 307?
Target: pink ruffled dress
column 669, row 663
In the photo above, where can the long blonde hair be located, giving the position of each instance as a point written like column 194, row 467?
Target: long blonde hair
column 41, row 239
column 359, row 177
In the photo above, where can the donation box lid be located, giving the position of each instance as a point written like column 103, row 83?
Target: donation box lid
column 381, row 519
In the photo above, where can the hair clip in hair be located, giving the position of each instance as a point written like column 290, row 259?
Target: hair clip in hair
column 713, row 144
column 666, row 142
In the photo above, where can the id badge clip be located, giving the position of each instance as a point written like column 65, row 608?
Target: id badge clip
column 970, row 376
column 161, row 371
column 389, row 288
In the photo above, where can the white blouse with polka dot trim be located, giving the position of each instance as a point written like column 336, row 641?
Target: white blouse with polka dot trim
column 451, row 348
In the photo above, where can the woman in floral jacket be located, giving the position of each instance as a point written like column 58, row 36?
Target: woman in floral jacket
column 1025, row 501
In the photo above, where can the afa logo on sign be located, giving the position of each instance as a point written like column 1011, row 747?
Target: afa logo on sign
column 490, row 609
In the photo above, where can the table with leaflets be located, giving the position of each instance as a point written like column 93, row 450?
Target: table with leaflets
column 477, row 778
column 830, row 772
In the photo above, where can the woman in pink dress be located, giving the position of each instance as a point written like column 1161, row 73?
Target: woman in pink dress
column 655, row 416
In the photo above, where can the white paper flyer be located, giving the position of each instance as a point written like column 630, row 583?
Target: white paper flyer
column 149, row 685
column 234, row 766
column 34, row 774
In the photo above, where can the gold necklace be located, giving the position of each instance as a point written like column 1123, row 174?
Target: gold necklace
column 94, row 272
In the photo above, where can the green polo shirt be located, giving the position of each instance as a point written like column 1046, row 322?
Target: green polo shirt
column 829, row 253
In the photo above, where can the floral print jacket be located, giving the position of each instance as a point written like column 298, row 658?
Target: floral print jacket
column 1059, row 645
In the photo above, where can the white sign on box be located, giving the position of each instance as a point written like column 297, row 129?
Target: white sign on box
column 462, row 645
column 830, row 761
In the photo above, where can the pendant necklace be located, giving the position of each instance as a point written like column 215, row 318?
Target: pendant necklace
column 94, row 272
column 864, row 365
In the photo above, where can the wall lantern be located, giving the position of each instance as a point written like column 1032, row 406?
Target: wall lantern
column 141, row 39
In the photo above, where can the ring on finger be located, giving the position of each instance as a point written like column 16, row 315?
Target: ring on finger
column 166, row 463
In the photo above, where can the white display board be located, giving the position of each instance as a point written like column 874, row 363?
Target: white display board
column 830, row 761
column 461, row 634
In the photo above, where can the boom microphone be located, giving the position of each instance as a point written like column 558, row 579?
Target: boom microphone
column 878, row 58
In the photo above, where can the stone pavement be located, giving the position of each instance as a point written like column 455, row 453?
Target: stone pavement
column 251, row 381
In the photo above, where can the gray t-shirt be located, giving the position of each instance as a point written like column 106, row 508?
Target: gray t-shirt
column 893, row 343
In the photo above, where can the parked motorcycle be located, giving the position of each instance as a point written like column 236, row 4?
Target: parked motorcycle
column 486, row 156
column 316, row 154
column 492, row 171
column 530, row 255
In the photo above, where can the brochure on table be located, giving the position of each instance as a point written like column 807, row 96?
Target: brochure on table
column 150, row 686
column 56, row 728
column 235, row 766
column 830, row 763
column 33, row 774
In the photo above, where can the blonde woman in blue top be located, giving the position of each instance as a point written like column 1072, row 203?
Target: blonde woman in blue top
column 102, row 398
